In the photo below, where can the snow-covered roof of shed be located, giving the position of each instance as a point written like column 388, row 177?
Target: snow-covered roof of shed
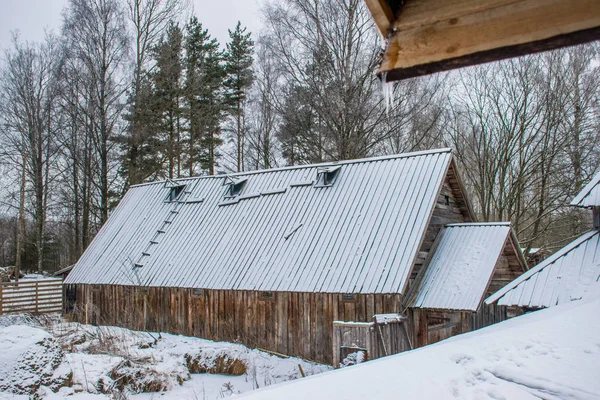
column 562, row 277
column 461, row 267
column 283, row 233
column 589, row 195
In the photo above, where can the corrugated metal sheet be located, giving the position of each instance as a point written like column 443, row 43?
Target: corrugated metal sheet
column 561, row 278
column 590, row 195
column 360, row 235
column 461, row 267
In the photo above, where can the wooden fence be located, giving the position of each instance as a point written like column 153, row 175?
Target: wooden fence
column 37, row 297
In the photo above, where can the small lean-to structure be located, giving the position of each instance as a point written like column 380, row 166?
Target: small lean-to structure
column 567, row 274
column 269, row 258
column 469, row 262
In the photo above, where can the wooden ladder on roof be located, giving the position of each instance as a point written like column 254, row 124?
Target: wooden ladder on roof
column 163, row 229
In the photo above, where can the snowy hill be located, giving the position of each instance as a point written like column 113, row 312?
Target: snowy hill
column 549, row 354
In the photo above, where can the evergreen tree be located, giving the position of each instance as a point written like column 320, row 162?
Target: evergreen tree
column 168, row 91
column 203, row 97
column 238, row 67
column 141, row 159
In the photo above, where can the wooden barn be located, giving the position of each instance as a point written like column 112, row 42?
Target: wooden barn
column 468, row 263
column 270, row 258
column 567, row 274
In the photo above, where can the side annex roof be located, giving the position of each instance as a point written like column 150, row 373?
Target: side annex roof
column 284, row 231
column 589, row 195
column 561, row 278
column 462, row 265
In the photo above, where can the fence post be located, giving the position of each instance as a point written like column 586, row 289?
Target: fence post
column 37, row 295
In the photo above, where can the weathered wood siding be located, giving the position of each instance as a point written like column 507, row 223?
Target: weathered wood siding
column 297, row 324
column 431, row 326
column 451, row 207
column 507, row 269
column 376, row 339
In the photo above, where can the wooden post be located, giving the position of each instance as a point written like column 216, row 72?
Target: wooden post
column 301, row 371
column 37, row 296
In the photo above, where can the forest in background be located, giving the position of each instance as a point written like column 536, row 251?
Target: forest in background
column 129, row 92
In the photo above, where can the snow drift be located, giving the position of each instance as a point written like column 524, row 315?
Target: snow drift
column 549, row 354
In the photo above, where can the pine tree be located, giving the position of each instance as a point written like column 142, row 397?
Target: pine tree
column 141, row 158
column 203, row 97
column 168, row 91
column 238, row 67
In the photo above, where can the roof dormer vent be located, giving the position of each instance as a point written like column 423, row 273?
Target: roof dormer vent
column 326, row 176
column 234, row 185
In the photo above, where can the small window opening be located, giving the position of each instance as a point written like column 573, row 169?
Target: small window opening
column 327, row 176
column 175, row 192
column 267, row 295
column 70, row 298
column 436, row 321
column 348, row 296
column 198, row 292
column 447, row 200
column 234, row 186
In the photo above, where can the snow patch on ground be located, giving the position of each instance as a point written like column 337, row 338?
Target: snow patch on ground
column 102, row 362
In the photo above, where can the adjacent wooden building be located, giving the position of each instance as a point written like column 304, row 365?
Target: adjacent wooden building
column 567, row 274
column 270, row 258
column 468, row 263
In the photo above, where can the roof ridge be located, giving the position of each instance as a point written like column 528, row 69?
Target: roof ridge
column 547, row 262
column 499, row 223
column 306, row 166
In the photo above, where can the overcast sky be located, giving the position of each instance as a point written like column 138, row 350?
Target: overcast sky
column 31, row 17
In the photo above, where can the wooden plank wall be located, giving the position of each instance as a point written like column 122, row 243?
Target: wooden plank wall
column 379, row 340
column 425, row 331
column 389, row 339
column 297, row 324
column 449, row 208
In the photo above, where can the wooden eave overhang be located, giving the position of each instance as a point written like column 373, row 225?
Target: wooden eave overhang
column 428, row 36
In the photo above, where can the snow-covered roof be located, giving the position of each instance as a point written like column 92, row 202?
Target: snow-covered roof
column 461, row 267
column 283, row 232
column 589, row 195
column 562, row 277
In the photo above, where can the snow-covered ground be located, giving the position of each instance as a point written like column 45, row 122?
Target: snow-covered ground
column 549, row 354
column 68, row 360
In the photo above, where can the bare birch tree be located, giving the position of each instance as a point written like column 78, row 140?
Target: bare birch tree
column 28, row 112
column 96, row 35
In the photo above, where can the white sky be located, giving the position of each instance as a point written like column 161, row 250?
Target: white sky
column 32, row 17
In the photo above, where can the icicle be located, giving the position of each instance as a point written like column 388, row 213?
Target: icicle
column 387, row 89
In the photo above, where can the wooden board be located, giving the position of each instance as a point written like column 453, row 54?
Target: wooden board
column 428, row 36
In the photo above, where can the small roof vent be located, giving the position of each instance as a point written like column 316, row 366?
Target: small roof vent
column 175, row 190
column 326, row 176
column 235, row 185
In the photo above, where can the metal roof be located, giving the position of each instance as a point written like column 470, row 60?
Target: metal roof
column 589, row 195
column 461, row 267
column 560, row 278
column 282, row 233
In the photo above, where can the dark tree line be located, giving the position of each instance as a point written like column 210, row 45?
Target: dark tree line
column 128, row 92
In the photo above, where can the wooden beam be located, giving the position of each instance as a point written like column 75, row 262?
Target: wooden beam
column 437, row 35
column 382, row 15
